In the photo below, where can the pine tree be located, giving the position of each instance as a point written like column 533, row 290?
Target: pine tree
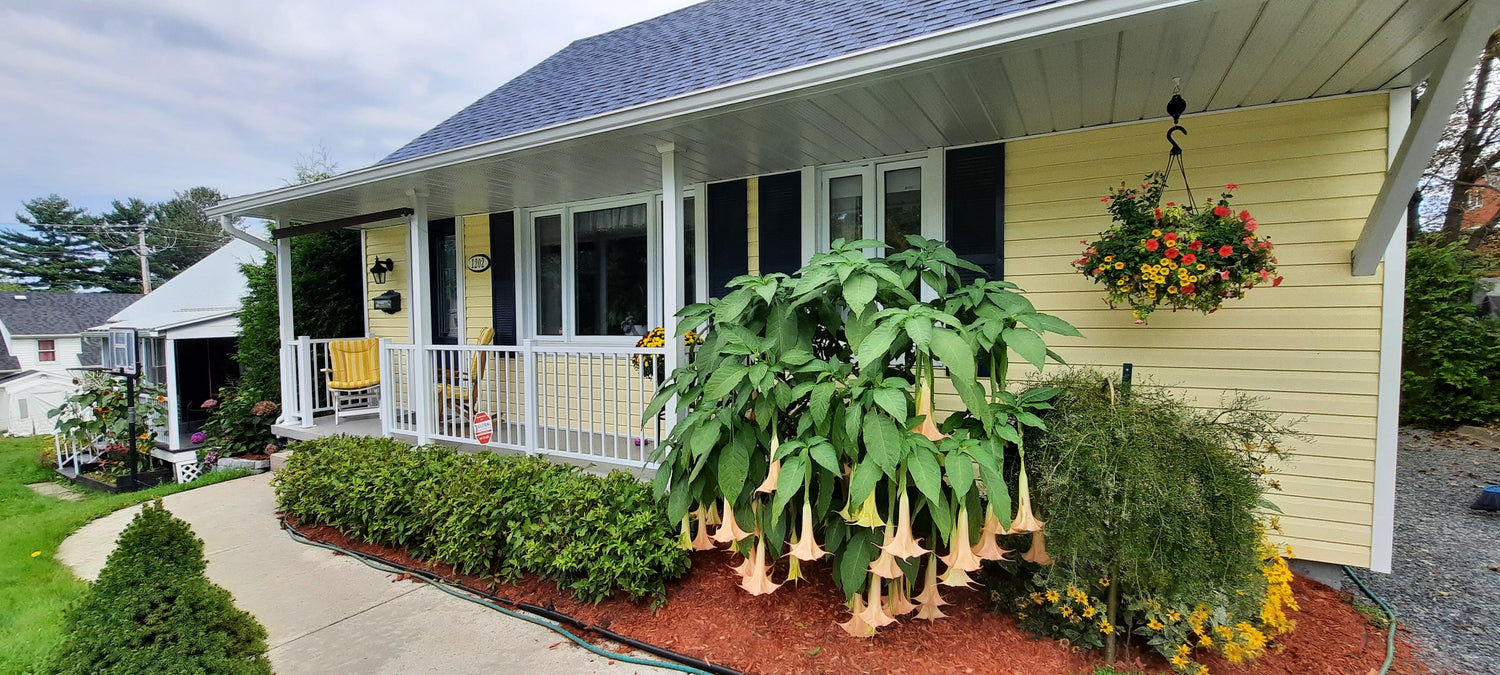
column 56, row 252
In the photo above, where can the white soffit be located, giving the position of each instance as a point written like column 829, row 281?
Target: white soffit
column 1228, row 54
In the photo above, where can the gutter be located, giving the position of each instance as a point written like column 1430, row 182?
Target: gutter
column 1054, row 18
column 226, row 222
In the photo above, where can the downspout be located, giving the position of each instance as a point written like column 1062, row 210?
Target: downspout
column 227, row 222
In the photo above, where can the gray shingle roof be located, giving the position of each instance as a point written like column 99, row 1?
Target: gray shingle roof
column 59, row 313
column 8, row 363
column 706, row 45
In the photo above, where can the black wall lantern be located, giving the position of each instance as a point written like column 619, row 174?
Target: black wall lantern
column 388, row 302
column 380, row 267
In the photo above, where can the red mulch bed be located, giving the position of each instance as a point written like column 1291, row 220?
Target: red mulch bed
column 794, row 629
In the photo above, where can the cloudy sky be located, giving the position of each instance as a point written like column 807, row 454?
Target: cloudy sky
column 103, row 100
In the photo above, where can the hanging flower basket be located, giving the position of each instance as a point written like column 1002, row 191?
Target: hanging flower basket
column 1169, row 255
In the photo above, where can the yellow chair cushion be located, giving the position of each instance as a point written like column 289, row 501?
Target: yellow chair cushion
column 354, row 384
column 453, row 392
column 355, row 364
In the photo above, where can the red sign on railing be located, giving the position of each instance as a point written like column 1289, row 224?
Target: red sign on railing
column 483, row 428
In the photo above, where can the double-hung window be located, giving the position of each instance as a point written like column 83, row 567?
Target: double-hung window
column 46, row 350
column 884, row 201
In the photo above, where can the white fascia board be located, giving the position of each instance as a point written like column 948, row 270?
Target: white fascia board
column 1036, row 22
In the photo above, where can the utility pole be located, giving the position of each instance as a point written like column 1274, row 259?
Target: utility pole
column 141, row 252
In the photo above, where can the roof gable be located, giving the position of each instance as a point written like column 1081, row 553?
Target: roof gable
column 710, row 44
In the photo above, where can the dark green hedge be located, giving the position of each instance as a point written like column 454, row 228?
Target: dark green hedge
column 1450, row 353
column 153, row 611
column 488, row 515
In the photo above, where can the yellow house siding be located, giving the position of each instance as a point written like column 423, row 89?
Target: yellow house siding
column 479, row 306
column 1310, row 349
column 390, row 242
column 752, row 223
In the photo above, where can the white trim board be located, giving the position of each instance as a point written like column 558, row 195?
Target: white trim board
column 1388, row 407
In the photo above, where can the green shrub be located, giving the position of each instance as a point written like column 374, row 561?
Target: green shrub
column 1451, row 353
column 153, row 611
column 1163, row 501
column 490, row 515
column 239, row 423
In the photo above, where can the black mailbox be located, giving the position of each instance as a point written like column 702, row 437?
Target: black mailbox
column 388, row 302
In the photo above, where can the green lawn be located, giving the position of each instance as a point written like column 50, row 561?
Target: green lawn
column 34, row 590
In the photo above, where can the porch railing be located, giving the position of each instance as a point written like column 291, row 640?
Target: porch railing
column 578, row 401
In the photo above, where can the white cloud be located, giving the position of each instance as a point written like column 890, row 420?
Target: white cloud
column 102, row 100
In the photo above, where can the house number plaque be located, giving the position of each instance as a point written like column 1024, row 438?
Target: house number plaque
column 478, row 262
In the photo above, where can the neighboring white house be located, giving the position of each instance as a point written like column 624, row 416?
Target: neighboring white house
column 42, row 340
column 188, row 332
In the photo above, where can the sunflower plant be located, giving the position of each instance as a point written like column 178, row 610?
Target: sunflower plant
column 1170, row 255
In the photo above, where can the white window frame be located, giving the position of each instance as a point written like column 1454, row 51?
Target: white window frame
column 872, row 175
column 52, row 351
column 652, row 202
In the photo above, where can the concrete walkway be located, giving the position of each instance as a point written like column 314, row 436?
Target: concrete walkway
column 327, row 613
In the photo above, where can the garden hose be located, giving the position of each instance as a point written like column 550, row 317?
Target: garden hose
column 1390, row 615
column 683, row 663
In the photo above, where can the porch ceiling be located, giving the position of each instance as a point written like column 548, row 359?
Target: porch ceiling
column 1228, row 54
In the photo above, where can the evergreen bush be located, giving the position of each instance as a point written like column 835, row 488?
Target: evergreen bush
column 1450, row 352
column 489, row 515
column 152, row 610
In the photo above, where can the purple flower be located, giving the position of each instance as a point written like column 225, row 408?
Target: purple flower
column 198, row 438
column 210, row 403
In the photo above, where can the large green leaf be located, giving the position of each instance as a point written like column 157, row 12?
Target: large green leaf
column 734, row 465
column 953, row 350
column 919, row 329
column 883, row 442
column 724, row 380
column 732, row 309
column 866, row 477
column 859, row 291
column 926, row 473
column 678, row 503
column 854, row 561
column 871, row 350
column 1027, row 344
column 820, row 400
column 789, row 481
column 705, row 437
column 825, row 456
column 960, row 473
column 892, row 401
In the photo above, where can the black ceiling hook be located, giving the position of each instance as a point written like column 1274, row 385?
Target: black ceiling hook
column 1176, row 149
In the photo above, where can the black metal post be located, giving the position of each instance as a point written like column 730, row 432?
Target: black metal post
column 1125, row 373
column 130, row 410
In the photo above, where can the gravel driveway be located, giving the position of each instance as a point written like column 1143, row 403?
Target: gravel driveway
column 1445, row 581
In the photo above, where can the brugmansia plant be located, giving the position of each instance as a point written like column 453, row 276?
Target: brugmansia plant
column 808, row 428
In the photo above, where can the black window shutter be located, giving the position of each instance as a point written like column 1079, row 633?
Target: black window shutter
column 975, row 221
column 438, row 266
column 781, row 223
column 728, row 233
column 503, row 275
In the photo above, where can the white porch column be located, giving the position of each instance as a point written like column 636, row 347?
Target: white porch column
column 290, row 411
column 420, row 307
column 172, row 391
column 671, row 260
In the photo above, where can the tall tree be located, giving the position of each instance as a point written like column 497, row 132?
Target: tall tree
column 56, row 252
column 1467, row 160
